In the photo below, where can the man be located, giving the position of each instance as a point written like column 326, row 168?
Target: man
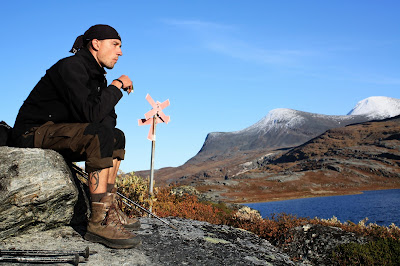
column 72, row 110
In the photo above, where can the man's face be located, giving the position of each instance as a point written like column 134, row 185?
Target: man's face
column 108, row 52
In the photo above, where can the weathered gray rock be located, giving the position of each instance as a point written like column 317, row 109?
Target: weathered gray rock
column 201, row 243
column 194, row 243
column 36, row 190
column 315, row 243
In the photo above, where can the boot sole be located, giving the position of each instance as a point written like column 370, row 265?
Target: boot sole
column 133, row 227
column 110, row 243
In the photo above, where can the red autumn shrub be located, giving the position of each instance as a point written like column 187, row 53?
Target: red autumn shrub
column 186, row 206
column 276, row 229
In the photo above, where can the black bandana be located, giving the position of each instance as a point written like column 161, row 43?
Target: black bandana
column 99, row 32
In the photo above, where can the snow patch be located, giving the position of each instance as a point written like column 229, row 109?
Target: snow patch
column 283, row 117
column 377, row 107
column 277, row 118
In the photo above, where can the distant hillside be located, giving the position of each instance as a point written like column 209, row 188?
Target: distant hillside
column 341, row 161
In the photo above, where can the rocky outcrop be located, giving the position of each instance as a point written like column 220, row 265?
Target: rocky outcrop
column 39, row 199
column 194, row 243
column 38, row 202
column 315, row 243
column 36, row 190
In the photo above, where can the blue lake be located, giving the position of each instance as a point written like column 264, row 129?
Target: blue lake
column 381, row 207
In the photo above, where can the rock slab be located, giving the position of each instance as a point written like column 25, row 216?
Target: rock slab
column 36, row 190
column 194, row 243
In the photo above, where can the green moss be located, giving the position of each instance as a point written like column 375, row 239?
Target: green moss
column 379, row 252
column 223, row 207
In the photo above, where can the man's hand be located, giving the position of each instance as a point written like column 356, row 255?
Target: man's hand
column 123, row 82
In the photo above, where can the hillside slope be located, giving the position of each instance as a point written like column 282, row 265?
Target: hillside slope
column 343, row 160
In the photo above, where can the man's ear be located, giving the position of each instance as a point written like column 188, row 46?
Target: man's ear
column 95, row 44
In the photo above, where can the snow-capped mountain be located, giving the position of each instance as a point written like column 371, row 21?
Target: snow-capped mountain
column 282, row 119
column 283, row 128
column 374, row 108
column 378, row 107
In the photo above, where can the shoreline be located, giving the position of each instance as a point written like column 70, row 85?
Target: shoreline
column 357, row 192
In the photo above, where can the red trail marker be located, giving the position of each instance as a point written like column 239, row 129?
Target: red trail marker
column 152, row 117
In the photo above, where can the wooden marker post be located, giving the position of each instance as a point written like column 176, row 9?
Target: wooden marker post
column 152, row 117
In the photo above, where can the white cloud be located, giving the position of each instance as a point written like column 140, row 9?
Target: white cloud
column 247, row 52
column 220, row 38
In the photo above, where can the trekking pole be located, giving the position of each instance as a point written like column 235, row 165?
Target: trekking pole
column 45, row 253
column 86, row 176
column 73, row 260
column 137, row 205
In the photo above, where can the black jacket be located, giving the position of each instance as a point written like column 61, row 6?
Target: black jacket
column 74, row 90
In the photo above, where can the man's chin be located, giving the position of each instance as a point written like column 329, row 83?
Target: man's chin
column 109, row 67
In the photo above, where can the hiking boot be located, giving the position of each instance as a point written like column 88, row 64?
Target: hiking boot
column 105, row 228
column 128, row 223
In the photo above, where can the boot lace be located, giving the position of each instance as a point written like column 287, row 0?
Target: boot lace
column 112, row 218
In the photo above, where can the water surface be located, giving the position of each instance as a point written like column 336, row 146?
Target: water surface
column 381, row 207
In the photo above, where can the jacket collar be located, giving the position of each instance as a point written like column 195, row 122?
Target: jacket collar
column 93, row 65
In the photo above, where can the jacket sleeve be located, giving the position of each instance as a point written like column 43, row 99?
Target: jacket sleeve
column 110, row 120
column 75, row 87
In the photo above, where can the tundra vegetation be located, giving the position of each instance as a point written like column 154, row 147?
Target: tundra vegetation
column 382, row 247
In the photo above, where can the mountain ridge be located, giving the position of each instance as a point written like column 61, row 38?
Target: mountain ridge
column 283, row 127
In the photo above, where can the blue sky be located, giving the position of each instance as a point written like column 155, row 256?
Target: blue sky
column 222, row 64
